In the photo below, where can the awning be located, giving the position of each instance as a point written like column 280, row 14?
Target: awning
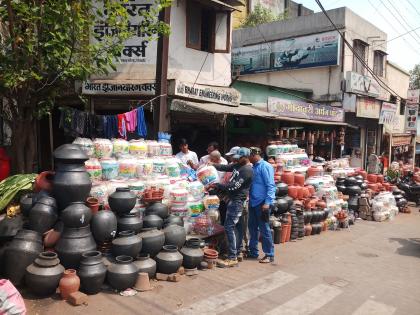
column 241, row 110
column 401, row 139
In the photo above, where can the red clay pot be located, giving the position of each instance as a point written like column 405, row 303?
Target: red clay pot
column 299, row 179
column 372, row 178
column 373, row 186
column 380, row 179
column 288, row 177
column 51, row 237
column 93, row 204
column 299, row 192
column 69, row 283
column 311, row 189
column 321, row 204
column 289, row 230
column 308, row 230
column 305, row 192
column 44, row 181
column 283, row 236
column 293, row 191
column 363, row 173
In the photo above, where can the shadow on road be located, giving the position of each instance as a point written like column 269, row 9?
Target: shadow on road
column 410, row 246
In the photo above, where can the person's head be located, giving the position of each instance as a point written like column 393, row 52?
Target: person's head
column 242, row 155
column 213, row 146
column 231, row 153
column 255, row 154
column 183, row 145
column 215, row 157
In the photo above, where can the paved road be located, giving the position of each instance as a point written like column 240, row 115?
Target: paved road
column 372, row 268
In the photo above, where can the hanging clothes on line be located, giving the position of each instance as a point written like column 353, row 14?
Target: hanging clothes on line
column 141, row 123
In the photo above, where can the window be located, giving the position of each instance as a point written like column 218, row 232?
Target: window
column 378, row 63
column 208, row 29
column 360, row 49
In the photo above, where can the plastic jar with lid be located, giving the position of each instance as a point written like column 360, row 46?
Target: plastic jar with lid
column 110, row 168
column 102, row 148
column 138, row 148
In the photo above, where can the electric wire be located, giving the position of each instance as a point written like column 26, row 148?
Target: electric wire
column 415, row 9
column 403, row 19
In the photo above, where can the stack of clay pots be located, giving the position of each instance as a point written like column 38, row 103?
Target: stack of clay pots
column 375, row 183
column 283, row 202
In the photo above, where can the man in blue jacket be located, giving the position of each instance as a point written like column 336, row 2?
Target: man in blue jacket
column 261, row 198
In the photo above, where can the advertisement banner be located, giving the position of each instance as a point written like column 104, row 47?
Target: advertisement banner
column 411, row 112
column 138, row 48
column 310, row 51
column 388, row 112
column 362, row 84
column 93, row 88
column 413, row 97
column 368, row 108
column 300, row 109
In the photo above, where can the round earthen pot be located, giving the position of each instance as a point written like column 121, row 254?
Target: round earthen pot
column 293, row 191
column 288, row 177
column 311, row 189
column 69, row 283
column 363, row 173
column 372, row 178
column 305, row 192
column 380, row 179
column 321, row 204
column 300, row 192
column 299, row 179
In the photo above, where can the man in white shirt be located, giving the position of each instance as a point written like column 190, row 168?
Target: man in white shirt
column 186, row 156
column 213, row 146
column 216, row 158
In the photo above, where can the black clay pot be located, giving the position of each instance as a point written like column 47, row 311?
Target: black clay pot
column 159, row 209
column 153, row 240
column 289, row 200
column 168, row 260
column 396, row 191
column 130, row 222
column 398, row 197
column 41, row 194
column 175, row 235
column 340, row 180
column 364, row 186
column 401, row 203
column 71, row 181
column 359, row 177
column 152, row 221
column 122, row 274
column 122, row 201
column 21, row 252
column 307, row 217
column 43, row 215
column 42, row 277
column 92, row 272
column 173, row 219
column 104, row 226
column 282, row 205
column 341, row 188
column 350, row 181
column 76, row 215
column 127, row 243
column 26, row 204
column 353, row 203
column 360, row 182
column 326, row 213
column 146, row 264
column 192, row 254
column 281, row 189
column 72, row 244
column 353, row 190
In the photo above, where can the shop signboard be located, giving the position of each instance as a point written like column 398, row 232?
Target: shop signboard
column 368, row 108
column 413, row 96
column 310, row 51
column 362, row 84
column 411, row 112
column 139, row 48
column 388, row 111
column 100, row 88
column 213, row 94
column 300, row 109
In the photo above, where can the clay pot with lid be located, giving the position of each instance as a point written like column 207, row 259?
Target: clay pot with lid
column 43, row 215
column 153, row 240
column 43, row 276
column 71, row 181
column 122, row 274
column 130, row 222
column 122, row 201
column 146, row 264
column 288, row 177
column 175, row 235
column 127, row 243
column 192, row 254
column 168, row 260
column 76, row 215
column 92, row 272
column 69, row 283
column 104, row 226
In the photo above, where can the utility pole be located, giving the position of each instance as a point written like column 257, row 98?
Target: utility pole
column 161, row 119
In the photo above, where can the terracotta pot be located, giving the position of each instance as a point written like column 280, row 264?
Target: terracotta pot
column 289, row 230
column 372, row 178
column 321, row 204
column 311, row 189
column 283, row 236
column 44, row 181
column 305, row 192
column 308, row 229
column 69, row 283
column 299, row 179
column 373, row 187
column 288, row 177
column 314, row 200
column 93, row 204
column 315, row 171
column 51, row 238
column 293, row 191
column 380, row 179
column 300, row 192
column 307, row 204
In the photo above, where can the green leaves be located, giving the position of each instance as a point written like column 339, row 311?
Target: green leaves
column 261, row 15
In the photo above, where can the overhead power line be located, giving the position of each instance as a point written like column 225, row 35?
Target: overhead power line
column 399, row 36
column 415, row 9
column 403, row 19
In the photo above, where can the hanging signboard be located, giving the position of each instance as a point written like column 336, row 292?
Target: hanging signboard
column 368, row 108
column 310, row 51
column 388, row 112
column 300, row 109
column 411, row 112
column 413, row 96
column 362, row 84
column 93, row 88
column 138, row 48
column 214, row 94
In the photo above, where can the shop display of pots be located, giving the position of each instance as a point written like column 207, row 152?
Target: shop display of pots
column 192, row 254
column 71, row 181
column 122, row 274
column 175, row 235
column 122, row 201
column 72, row 244
column 43, row 215
column 43, row 276
column 76, row 215
column 69, row 283
column 152, row 221
column 146, row 264
column 92, row 272
column 104, row 226
column 159, row 209
column 153, row 240
column 127, row 244
column 20, row 253
column 168, row 260
column 130, row 222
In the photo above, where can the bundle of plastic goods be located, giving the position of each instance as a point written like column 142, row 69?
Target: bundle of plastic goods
column 384, row 207
column 320, row 181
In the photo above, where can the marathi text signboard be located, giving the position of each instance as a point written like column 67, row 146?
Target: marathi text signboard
column 362, row 84
column 388, row 112
column 411, row 112
column 227, row 96
column 93, row 88
column 300, row 109
column 368, row 108
column 310, row 51
column 413, row 97
column 138, row 48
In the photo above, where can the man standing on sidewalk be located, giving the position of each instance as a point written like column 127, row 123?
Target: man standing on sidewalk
column 261, row 198
column 237, row 189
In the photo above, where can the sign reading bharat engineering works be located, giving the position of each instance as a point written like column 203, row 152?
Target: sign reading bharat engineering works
column 362, row 84
column 221, row 95
column 299, row 109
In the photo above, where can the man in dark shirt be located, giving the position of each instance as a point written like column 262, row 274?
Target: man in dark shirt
column 237, row 189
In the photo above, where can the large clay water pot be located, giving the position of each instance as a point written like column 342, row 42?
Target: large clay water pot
column 293, row 191
column 380, row 178
column 288, row 177
column 130, row 222
column 168, row 260
column 159, row 209
column 299, row 179
column 92, row 272
column 76, row 215
column 104, row 226
column 372, row 178
column 43, row 215
column 146, row 264
column 192, row 254
column 153, row 240
column 127, row 243
column 122, row 274
column 175, row 235
column 122, row 201
column 363, row 173
column 281, row 189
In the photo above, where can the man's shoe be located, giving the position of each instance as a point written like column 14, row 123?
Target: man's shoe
column 227, row 263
